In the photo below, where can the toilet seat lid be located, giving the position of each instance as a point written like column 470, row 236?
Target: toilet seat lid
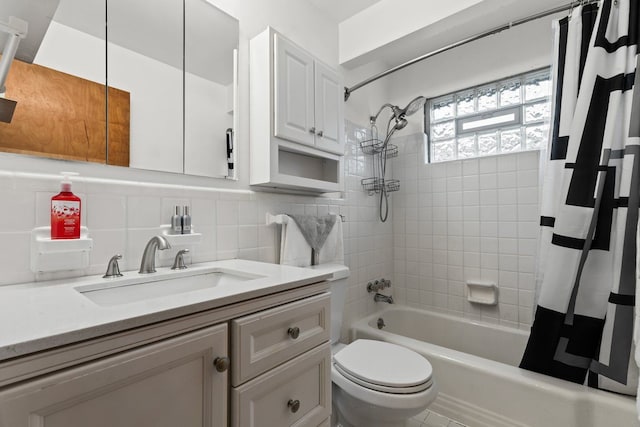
column 384, row 364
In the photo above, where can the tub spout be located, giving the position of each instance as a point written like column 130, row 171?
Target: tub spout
column 383, row 298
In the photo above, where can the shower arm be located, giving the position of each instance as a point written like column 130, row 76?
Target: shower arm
column 372, row 119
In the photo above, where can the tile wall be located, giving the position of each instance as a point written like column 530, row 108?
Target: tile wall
column 473, row 219
column 123, row 215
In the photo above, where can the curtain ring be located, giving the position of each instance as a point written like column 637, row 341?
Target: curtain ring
column 571, row 7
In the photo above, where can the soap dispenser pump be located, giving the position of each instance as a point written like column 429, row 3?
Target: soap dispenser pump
column 65, row 212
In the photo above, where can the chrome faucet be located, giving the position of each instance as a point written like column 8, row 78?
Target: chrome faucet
column 148, row 264
column 383, row 298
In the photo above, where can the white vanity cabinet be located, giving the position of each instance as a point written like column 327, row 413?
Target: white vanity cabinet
column 282, row 371
column 296, row 117
column 165, row 384
column 270, row 354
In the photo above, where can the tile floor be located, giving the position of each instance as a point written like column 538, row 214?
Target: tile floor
column 431, row 419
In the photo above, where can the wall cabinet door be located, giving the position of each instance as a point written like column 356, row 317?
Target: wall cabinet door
column 293, row 92
column 328, row 105
column 308, row 99
column 166, row 384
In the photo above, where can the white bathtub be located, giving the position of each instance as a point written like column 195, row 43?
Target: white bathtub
column 475, row 365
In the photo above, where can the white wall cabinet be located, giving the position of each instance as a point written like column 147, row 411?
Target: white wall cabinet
column 296, row 117
column 167, row 374
column 307, row 100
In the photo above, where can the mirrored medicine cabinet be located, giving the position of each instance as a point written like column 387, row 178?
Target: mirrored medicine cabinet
column 135, row 83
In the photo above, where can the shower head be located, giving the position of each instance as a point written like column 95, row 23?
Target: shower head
column 415, row 105
column 400, row 124
column 401, row 113
column 411, row 108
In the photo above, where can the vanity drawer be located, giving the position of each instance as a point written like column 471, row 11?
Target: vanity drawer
column 266, row 339
column 297, row 393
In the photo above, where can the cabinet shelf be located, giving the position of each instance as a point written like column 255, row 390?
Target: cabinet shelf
column 375, row 146
column 192, row 238
column 49, row 254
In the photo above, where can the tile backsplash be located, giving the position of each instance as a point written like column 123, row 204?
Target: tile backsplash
column 450, row 222
column 123, row 215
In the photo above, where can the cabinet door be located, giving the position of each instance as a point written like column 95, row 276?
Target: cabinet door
column 166, row 384
column 328, row 106
column 293, row 93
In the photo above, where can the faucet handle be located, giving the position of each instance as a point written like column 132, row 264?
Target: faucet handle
column 178, row 263
column 113, row 269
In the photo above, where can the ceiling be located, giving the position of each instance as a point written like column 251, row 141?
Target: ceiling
column 342, row 9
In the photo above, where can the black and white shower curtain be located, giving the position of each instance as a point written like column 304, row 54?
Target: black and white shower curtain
column 583, row 325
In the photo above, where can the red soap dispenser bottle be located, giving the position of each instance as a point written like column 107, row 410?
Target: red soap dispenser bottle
column 65, row 213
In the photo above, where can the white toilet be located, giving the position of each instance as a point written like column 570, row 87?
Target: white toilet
column 375, row 383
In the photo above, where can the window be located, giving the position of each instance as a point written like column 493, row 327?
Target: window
column 501, row 117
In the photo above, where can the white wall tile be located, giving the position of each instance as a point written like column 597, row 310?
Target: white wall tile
column 508, row 162
column 18, row 211
column 144, row 211
column 227, row 212
column 106, row 211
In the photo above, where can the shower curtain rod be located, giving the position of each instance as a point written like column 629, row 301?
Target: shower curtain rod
column 349, row 90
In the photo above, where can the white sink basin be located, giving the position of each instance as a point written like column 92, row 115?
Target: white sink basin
column 145, row 287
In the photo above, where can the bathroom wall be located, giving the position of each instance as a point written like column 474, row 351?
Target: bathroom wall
column 472, row 219
column 123, row 214
column 124, row 207
column 464, row 220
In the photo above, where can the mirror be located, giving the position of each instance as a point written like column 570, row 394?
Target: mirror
column 170, row 70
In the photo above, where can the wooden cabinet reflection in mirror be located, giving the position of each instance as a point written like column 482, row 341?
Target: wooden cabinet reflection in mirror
column 62, row 116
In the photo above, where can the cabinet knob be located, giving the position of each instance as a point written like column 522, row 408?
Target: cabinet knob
column 221, row 363
column 293, row 405
column 312, row 130
column 320, row 133
column 294, row 332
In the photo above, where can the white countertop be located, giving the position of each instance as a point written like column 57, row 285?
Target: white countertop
column 42, row 315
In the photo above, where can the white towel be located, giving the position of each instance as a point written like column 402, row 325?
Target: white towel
column 333, row 249
column 294, row 249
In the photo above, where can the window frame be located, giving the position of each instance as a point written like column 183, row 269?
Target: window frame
column 518, row 110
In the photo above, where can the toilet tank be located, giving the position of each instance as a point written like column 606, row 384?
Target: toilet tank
column 338, row 281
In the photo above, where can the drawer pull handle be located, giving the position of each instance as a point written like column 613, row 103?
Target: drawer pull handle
column 221, row 363
column 293, row 405
column 312, row 130
column 294, row 332
column 320, row 134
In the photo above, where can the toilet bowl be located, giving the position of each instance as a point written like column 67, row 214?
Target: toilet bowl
column 374, row 383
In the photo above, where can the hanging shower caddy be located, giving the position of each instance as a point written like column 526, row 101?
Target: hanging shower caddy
column 376, row 148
